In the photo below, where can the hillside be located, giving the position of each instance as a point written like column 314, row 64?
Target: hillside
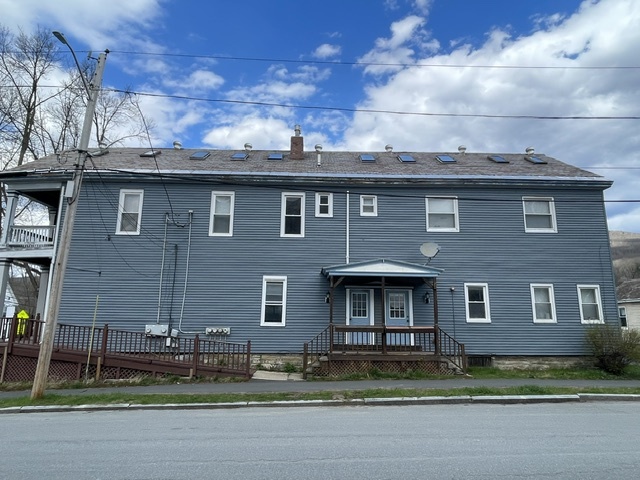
column 625, row 251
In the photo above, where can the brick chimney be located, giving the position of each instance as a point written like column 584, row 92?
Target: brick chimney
column 297, row 145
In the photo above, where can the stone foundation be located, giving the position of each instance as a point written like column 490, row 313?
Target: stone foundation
column 540, row 363
column 276, row 362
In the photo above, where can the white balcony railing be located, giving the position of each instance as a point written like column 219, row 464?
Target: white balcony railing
column 31, row 236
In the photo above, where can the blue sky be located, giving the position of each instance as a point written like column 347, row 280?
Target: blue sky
column 413, row 56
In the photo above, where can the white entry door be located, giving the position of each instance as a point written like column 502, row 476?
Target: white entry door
column 359, row 312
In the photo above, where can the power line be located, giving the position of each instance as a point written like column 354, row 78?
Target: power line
column 378, row 64
column 369, row 110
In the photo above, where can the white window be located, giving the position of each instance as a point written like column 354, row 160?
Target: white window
column 590, row 304
column 476, row 296
column 442, row 214
column 543, row 303
column 539, row 215
column 129, row 212
column 221, row 223
column 292, row 222
column 324, row 204
column 274, row 301
column 622, row 312
column 368, row 205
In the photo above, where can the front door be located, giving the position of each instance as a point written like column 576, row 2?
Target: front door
column 359, row 312
column 398, row 314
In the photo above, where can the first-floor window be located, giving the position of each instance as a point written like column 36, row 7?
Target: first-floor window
column 622, row 312
column 274, row 301
column 543, row 303
column 129, row 212
column 476, row 297
column 590, row 304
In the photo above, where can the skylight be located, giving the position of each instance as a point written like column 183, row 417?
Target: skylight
column 406, row 158
column 239, row 156
column 498, row 159
column 445, row 159
column 366, row 157
column 536, row 160
column 274, row 156
column 151, row 153
column 199, row 155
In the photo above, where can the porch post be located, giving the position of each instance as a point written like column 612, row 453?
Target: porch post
column 436, row 326
column 42, row 291
column 383, row 308
column 5, row 267
column 9, row 214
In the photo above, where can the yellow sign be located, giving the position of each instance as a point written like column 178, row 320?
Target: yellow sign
column 22, row 322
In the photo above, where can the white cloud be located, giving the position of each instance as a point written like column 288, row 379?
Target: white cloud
column 198, row 80
column 327, row 50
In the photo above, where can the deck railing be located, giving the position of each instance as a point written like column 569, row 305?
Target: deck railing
column 31, row 236
column 101, row 342
column 384, row 340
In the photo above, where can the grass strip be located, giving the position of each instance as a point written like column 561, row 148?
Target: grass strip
column 146, row 399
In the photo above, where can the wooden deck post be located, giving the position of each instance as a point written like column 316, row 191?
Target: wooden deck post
column 305, row 358
column 196, row 354
column 248, row 366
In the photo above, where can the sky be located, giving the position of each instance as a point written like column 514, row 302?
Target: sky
column 421, row 75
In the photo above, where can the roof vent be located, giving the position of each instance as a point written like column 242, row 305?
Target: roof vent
column 177, row 145
column 318, row 148
column 297, row 145
column 462, row 149
column 530, row 150
column 248, row 147
column 388, row 148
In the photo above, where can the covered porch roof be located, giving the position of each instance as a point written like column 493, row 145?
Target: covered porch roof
column 381, row 268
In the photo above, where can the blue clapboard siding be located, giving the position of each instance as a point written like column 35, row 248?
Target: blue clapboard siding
column 224, row 284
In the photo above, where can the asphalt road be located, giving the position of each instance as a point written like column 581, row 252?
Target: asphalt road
column 560, row 441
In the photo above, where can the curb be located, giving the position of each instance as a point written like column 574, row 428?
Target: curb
column 371, row 402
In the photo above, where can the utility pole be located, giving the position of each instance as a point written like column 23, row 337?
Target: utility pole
column 51, row 315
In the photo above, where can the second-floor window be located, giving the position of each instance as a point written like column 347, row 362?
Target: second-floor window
column 129, row 212
column 324, row 204
column 368, row 205
column 221, row 223
column 539, row 215
column 442, row 214
column 292, row 221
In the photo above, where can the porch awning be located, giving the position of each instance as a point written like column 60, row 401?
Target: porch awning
column 381, row 268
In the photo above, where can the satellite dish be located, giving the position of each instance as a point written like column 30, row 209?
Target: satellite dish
column 429, row 250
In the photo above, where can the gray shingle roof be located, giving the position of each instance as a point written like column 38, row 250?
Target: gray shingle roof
column 340, row 164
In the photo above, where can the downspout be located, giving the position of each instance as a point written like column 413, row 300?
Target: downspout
column 164, row 249
column 347, row 233
column 186, row 275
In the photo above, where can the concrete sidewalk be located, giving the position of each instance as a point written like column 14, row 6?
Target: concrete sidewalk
column 270, row 382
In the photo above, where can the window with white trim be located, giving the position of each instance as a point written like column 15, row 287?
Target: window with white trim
column 324, row 204
column 129, row 212
column 590, row 304
column 368, row 205
column 442, row 214
column 539, row 215
column 622, row 313
column 222, row 206
column 274, row 301
column 543, row 303
column 292, row 222
column 476, row 296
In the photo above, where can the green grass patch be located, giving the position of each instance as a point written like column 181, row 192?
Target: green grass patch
column 146, row 399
